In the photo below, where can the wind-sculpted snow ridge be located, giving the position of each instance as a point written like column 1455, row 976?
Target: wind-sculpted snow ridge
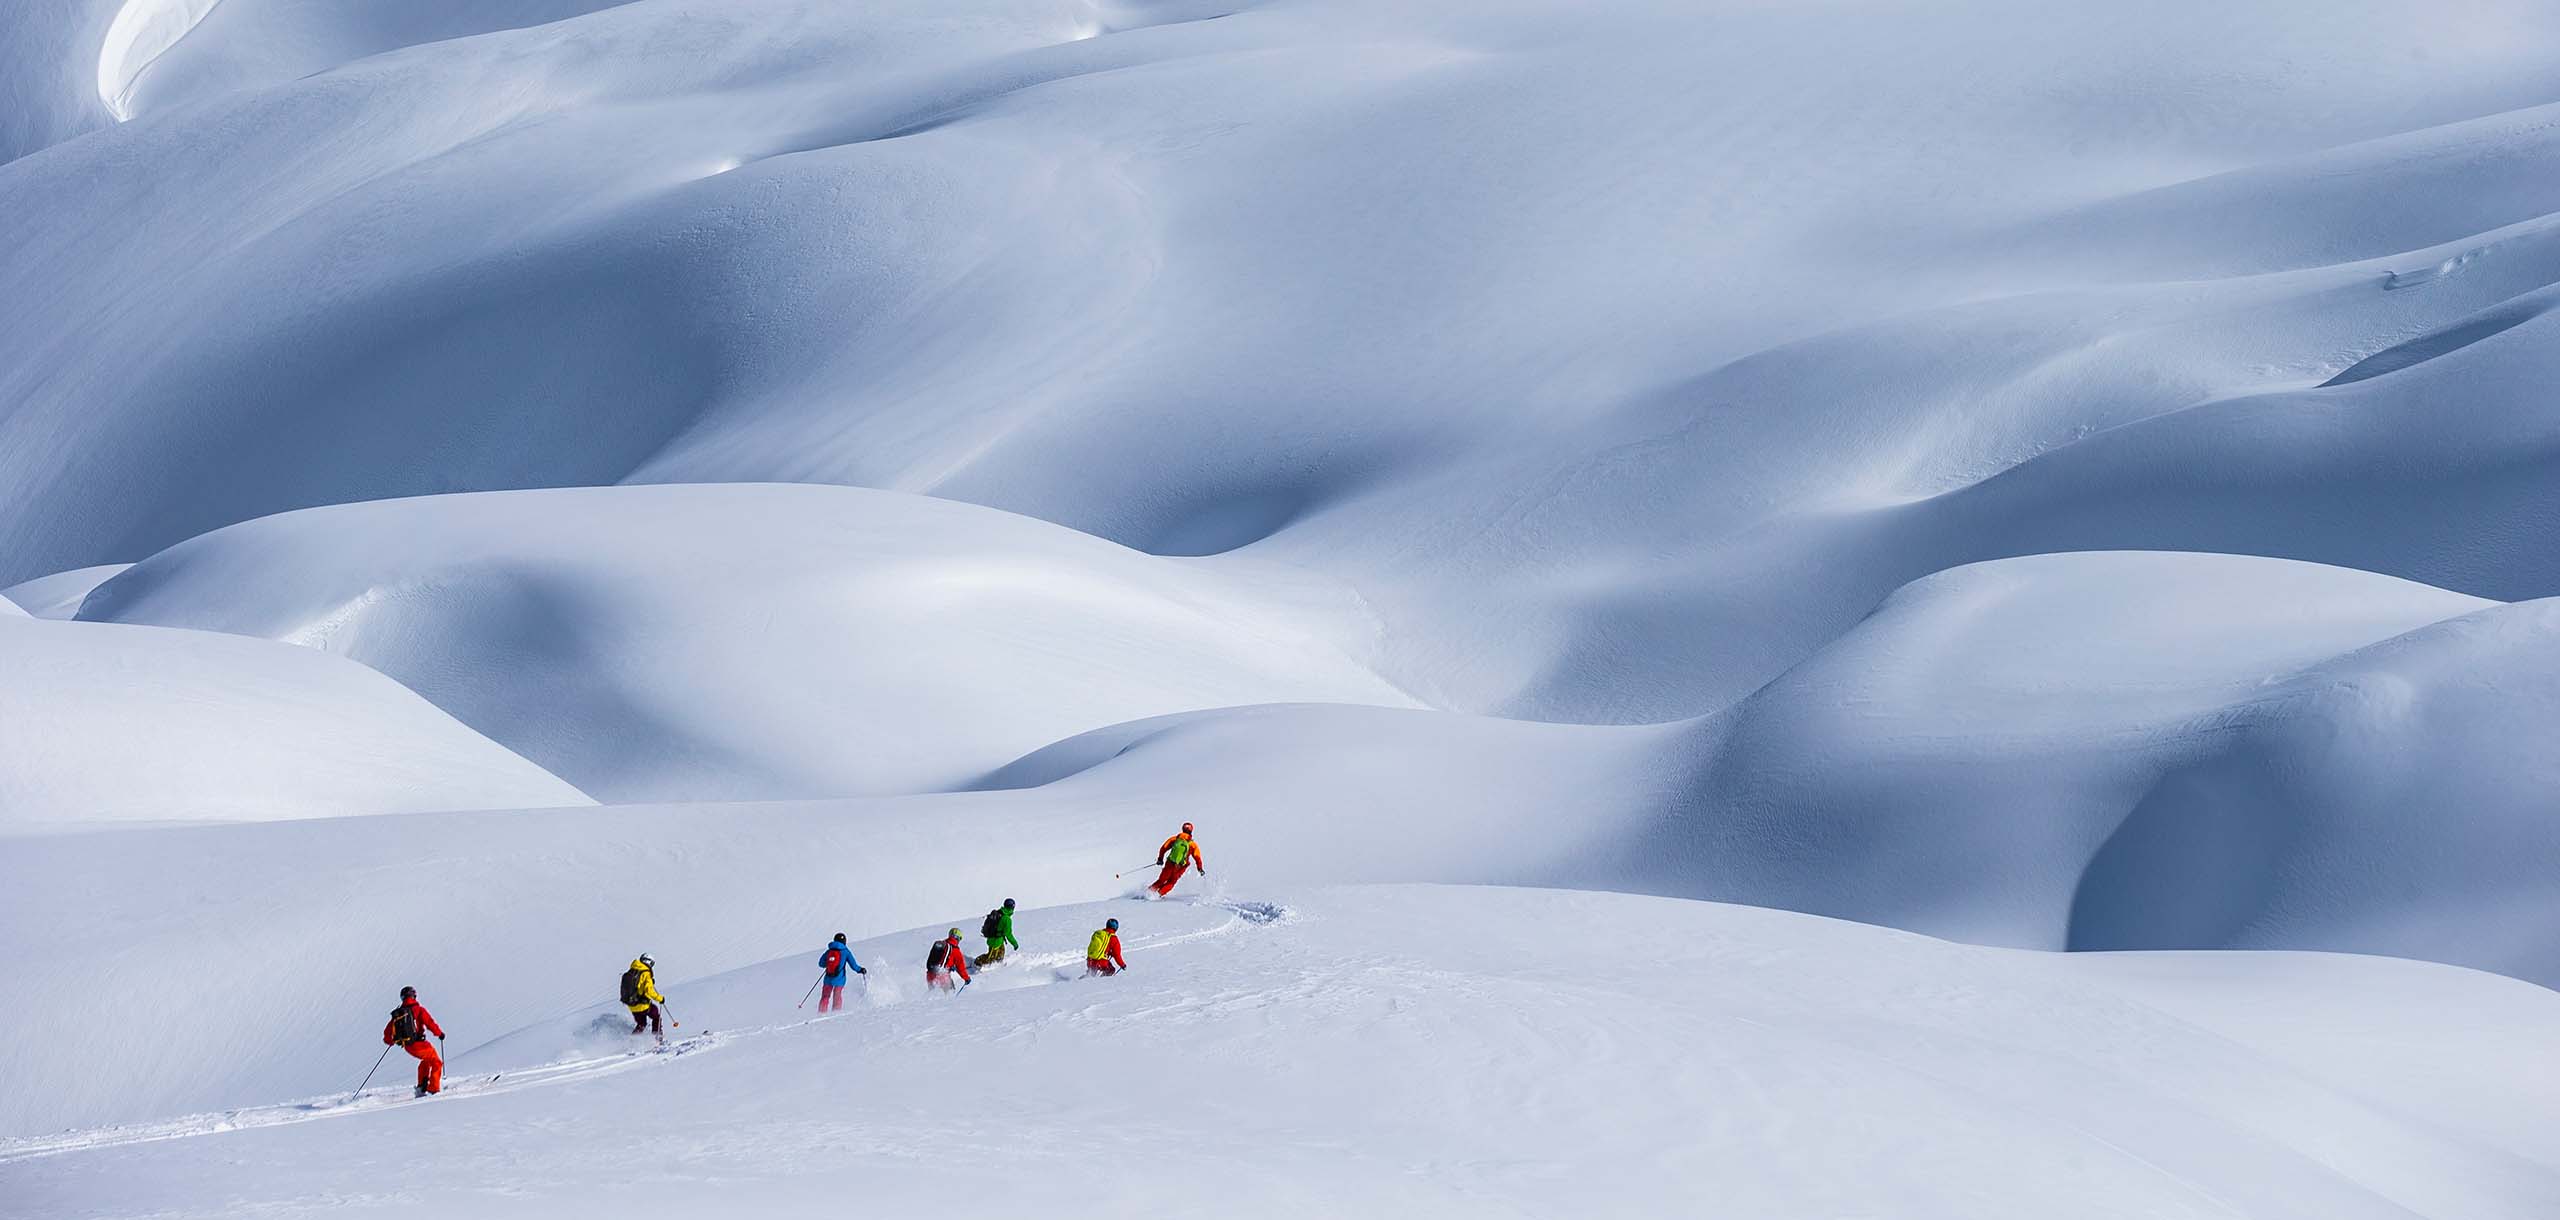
column 760, row 641
column 1779, row 1064
column 110, row 725
column 2129, row 751
column 2056, row 477
column 2105, row 750
column 189, row 50
column 1621, row 355
column 140, row 33
column 59, row 595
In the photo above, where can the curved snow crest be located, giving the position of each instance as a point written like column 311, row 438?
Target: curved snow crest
column 59, row 596
column 1074, row 279
column 2126, row 750
column 233, row 45
column 142, row 31
column 112, row 725
column 703, row 641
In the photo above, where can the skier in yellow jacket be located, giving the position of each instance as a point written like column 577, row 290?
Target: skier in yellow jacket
column 640, row 995
column 1102, row 953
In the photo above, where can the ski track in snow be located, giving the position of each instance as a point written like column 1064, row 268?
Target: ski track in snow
column 372, row 1100
column 2047, row 477
column 1242, row 915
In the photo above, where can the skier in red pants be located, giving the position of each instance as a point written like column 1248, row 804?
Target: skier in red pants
column 1102, row 952
column 408, row 1029
column 1177, row 854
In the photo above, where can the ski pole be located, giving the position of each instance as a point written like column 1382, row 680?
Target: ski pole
column 1140, row 869
column 368, row 1076
column 813, row 990
column 671, row 1015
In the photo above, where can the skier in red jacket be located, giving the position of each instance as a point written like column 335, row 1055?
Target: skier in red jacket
column 945, row 959
column 408, row 1029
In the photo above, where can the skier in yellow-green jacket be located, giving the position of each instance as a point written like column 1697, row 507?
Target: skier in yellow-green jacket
column 1102, row 951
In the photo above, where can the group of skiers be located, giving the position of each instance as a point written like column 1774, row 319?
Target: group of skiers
column 945, row 962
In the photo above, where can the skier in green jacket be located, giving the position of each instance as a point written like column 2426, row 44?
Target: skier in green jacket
column 998, row 929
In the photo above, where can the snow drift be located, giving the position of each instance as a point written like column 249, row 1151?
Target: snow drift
column 111, row 724
column 2059, row 478
column 2114, row 751
column 2037, row 284
column 703, row 642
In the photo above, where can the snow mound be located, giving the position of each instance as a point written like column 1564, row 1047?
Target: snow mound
column 760, row 641
column 1781, row 1064
column 163, row 53
column 59, row 596
column 112, row 724
column 2124, row 750
column 1902, row 288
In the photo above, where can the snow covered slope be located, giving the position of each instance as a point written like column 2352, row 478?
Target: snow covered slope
column 1408, row 1051
column 761, row 641
column 59, row 595
column 1281, row 795
column 1540, row 326
column 228, row 45
column 109, row 724
column 2124, row 750
column 2046, row 476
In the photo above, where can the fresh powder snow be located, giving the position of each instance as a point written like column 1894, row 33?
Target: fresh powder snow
column 1764, row 610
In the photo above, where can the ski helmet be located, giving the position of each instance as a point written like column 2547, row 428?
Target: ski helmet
column 839, row 936
column 644, row 960
column 1111, row 925
column 1186, row 828
column 955, row 933
column 1008, row 904
column 408, row 993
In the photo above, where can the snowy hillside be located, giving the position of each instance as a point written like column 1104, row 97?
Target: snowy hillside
column 117, row 724
column 659, row 643
column 1395, row 1050
column 2042, row 478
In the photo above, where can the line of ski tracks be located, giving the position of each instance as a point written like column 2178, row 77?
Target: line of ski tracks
column 251, row 1118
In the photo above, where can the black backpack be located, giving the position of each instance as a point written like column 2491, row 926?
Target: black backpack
column 994, row 926
column 404, row 1026
column 631, row 987
column 934, row 956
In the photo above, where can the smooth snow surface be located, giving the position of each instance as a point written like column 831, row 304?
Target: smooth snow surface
column 1377, row 1051
column 1290, row 795
column 2046, row 477
column 665, row 643
column 59, row 595
column 2139, row 751
column 110, row 724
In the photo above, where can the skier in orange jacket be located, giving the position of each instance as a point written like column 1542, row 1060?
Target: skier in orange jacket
column 408, row 1029
column 1178, row 853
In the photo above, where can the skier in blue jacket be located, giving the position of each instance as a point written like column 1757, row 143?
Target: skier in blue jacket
column 836, row 961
